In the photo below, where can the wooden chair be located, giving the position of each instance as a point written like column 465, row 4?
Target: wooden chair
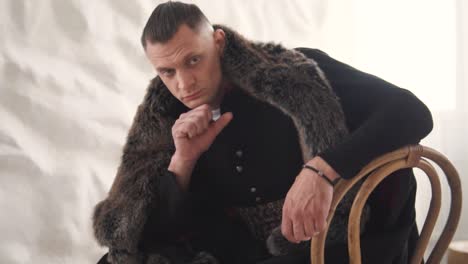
column 415, row 156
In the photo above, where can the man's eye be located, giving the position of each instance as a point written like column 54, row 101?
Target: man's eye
column 167, row 73
column 194, row 60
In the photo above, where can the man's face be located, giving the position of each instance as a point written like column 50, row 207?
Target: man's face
column 189, row 65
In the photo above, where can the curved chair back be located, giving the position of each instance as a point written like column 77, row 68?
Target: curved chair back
column 414, row 156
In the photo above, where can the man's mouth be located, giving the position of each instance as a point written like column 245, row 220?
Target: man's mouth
column 192, row 96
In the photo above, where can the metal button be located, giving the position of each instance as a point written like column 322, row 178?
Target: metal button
column 239, row 153
column 239, row 169
column 253, row 189
column 258, row 199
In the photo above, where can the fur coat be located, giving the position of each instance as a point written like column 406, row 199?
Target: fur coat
column 282, row 77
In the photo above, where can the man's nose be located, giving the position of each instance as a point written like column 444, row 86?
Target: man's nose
column 185, row 80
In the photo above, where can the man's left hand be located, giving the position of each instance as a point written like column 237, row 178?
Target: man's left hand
column 307, row 203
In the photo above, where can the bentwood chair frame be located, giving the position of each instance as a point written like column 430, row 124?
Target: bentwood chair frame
column 413, row 156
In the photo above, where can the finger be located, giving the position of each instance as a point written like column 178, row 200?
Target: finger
column 320, row 224
column 203, row 119
column 196, row 124
column 191, row 124
column 176, row 129
column 182, row 129
column 181, row 134
column 217, row 126
column 192, row 129
column 287, row 229
column 204, row 110
column 298, row 229
column 309, row 226
column 286, row 224
column 315, row 230
column 203, row 107
column 182, row 116
column 186, row 129
column 201, row 116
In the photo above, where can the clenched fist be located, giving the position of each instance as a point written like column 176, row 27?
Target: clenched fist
column 194, row 131
column 308, row 202
column 193, row 134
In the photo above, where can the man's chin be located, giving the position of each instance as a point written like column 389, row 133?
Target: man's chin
column 194, row 103
column 200, row 101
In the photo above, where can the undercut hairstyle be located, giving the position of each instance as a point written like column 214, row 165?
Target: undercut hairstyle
column 166, row 20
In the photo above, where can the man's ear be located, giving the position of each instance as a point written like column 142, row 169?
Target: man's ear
column 220, row 40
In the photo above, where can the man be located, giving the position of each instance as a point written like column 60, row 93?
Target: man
column 237, row 140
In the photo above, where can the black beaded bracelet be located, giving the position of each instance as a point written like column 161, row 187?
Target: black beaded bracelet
column 321, row 174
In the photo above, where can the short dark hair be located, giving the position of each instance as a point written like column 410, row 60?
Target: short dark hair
column 166, row 20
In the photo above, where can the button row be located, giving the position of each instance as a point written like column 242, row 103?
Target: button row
column 239, row 169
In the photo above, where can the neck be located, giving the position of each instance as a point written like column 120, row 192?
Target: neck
column 225, row 87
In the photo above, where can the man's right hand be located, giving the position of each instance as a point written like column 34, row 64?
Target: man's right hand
column 193, row 134
column 194, row 131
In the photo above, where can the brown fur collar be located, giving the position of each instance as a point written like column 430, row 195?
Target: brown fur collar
column 271, row 73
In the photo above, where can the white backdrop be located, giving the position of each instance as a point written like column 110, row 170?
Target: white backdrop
column 72, row 74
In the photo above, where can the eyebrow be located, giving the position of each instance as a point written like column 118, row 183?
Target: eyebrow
column 161, row 69
column 190, row 54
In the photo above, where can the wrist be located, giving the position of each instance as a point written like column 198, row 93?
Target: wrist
column 322, row 175
column 182, row 169
column 323, row 166
column 181, row 166
column 183, row 159
column 323, row 170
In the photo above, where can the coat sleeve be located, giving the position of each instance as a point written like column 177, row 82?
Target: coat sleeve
column 380, row 116
column 118, row 221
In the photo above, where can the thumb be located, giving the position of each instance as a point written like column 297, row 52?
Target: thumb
column 217, row 126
